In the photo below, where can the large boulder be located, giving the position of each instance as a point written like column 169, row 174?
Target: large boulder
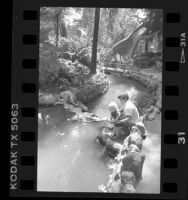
column 128, row 171
column 128, row 182
column 133, row 162
column 113, row 148
column 135, row 138
column 121, row 181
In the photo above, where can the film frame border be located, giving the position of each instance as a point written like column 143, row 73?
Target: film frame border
column 25, row 96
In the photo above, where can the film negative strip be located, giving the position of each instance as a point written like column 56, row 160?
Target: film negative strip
column 76, row 67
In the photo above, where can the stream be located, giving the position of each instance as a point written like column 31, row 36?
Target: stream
column 70, row 159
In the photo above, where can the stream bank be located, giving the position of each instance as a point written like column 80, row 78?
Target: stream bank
column 79, row 141
column 152, row 80
column 74, row 86
column 66, row 82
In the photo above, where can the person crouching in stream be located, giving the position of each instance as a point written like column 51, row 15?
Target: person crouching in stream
column 123, row 121
column 129, row 117
column 109, row 134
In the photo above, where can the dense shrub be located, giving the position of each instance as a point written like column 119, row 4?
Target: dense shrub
column 147, row 59
column 92, row 88
column 48, row 69
column 60, row 75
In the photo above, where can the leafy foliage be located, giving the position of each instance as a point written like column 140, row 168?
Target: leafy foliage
column 66, row 39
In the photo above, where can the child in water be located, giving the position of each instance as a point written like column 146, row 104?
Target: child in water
column 115, row 116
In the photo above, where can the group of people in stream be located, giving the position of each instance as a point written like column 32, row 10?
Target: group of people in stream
column 122, row 121
column 122, row 136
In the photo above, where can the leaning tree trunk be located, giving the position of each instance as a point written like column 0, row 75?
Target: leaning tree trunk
column 126, row 40
column 95, row 40
column 142, row 37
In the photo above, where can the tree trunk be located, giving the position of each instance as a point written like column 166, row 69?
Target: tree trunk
column 56, row 27
column 57, row 30
column 95, row 40
column 62, row 27
column 63, row 30
column 146, row 46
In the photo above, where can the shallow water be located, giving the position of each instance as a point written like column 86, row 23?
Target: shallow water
column 70, row 159
column 152, row 149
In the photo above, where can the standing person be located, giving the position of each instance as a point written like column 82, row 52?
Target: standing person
column 130, row 114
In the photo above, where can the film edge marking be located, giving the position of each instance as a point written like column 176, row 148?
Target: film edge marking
column 14, row 141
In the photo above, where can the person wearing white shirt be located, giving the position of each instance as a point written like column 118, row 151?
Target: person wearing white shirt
column 130, row 114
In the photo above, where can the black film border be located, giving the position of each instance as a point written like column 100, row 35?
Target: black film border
column 25, row 62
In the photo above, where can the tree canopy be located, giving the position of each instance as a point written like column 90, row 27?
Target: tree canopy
column 121, row 33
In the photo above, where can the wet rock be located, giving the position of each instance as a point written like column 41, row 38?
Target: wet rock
column 113, row 148
column 128, row 171
column 102, row 188
column 121, row 181
column 134, row 163
column 128, row 182
column 152, row 113
column 101, row 139
column 135, row 138
column 158, row 104
column 156, row 110
column 133, row 149
column 115, row 185
column 105, row 138
column 141, row 127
